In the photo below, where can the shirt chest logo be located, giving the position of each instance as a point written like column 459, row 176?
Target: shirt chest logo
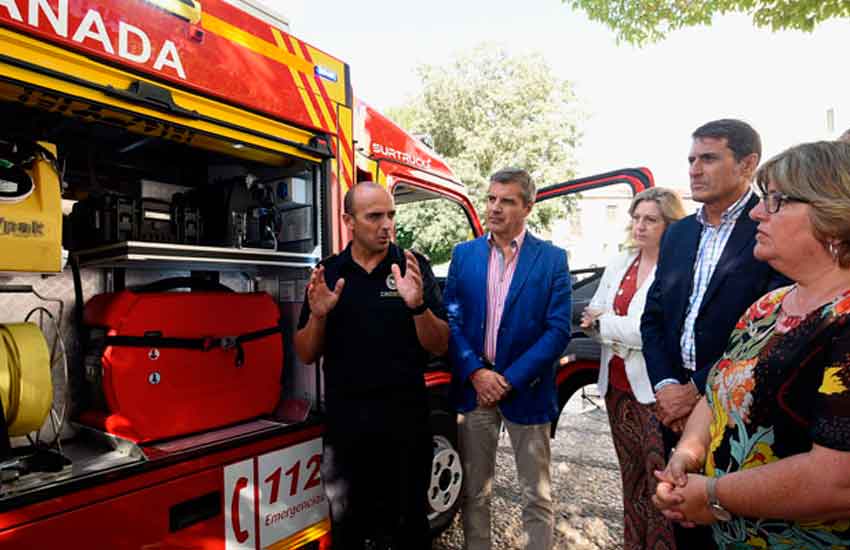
column 392, row 286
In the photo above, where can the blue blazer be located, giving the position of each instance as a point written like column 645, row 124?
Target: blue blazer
column 534, row 331
column 738, row 281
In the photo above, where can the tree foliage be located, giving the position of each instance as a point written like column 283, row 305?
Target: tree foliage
column 431, row 227
column 485, row 110
column 642, row 22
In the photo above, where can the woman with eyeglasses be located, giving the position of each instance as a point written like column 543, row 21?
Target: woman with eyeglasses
column 765, row 456
column 613, row 318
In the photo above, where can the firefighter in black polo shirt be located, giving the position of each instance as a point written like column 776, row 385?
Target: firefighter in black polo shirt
column 374, row 312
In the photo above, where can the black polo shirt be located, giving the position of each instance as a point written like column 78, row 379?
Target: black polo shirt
column 371, row 351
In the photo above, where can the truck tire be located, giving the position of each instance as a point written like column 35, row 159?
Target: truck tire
column 570, row 387
column 446, row 469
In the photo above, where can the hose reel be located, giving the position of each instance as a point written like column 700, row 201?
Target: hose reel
column 34, row 391
column 33, row 394
column 26, row 388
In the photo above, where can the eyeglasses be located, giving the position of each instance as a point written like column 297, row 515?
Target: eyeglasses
column 774, row 200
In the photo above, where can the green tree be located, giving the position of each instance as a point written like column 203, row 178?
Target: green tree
column 431, row 227
column 642, row 22
column 487, row 109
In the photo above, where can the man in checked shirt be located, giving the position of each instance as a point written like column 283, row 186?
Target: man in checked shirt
column 705, row 279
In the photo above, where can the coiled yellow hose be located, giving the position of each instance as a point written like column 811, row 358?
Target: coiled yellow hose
column 26, row 388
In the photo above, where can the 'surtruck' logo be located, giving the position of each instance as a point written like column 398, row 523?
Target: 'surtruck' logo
column 401, row 156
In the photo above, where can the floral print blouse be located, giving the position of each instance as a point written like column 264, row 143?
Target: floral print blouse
column 782, row 385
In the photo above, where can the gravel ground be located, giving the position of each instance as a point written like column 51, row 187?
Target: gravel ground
column 585, row 485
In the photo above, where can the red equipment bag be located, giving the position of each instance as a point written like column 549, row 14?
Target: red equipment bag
column 174, row 363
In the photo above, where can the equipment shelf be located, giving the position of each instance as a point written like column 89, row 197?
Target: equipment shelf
column 138, row 254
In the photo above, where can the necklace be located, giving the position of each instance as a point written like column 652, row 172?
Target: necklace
column 802, row 306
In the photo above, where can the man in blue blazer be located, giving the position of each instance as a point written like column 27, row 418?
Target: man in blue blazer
column 706, row 278
column 508, row 300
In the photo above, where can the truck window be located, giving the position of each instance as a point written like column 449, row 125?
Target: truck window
column 431, row 224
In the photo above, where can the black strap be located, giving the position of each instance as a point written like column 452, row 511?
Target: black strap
column 256, row 335
column 156, row 340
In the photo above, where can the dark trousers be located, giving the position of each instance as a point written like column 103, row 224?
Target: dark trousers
column 687, row 538
column 637, row 439
column 376, row 483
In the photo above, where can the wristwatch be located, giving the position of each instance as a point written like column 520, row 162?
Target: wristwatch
column 719, row 512
column 418, row 310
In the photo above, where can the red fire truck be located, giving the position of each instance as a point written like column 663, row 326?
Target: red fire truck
column 200, row 144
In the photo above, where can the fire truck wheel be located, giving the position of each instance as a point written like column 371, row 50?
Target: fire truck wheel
column 446, row 471
column 580, row 386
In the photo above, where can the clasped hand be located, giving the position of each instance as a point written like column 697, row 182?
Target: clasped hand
column 588, row 316
column 681, row 496
column 490, row 386
column 674, row 403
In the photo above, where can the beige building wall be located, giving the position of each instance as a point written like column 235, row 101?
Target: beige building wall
column 596, row 229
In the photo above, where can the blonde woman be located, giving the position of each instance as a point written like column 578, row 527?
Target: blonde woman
column 613, row 318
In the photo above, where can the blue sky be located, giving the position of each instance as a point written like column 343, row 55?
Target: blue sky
column 642, row 104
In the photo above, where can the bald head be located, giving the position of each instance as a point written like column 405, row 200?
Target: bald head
column 369, row 215
column 355, row 195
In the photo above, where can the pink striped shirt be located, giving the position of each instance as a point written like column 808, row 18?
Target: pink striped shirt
column 499, row 277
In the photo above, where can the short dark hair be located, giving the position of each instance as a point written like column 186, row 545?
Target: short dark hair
column 740, row 137
column 521, row 178
column 348, row 200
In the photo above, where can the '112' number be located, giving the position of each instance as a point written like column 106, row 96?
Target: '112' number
column 294, row 473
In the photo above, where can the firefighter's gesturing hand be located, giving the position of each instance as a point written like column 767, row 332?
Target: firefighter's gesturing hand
column 410, row 286
column 320, row 297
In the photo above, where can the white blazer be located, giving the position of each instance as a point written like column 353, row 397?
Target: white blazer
column 620, row 335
